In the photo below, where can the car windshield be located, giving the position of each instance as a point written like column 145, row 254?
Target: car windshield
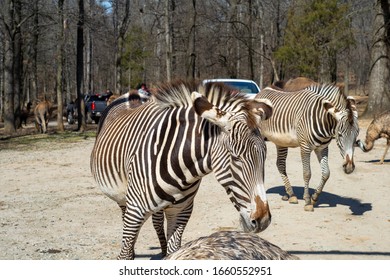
column 244, row 87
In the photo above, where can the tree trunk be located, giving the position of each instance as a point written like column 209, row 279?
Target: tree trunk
column 9, row 116
column 18, row 64
column 250, row 42
column 88, row 52
column 60, row 65
column 34, row 55
column 80, row 68
column 9, row 68
column 118, row 63
column 120, row 25
column 261, row 58
column 168, row 39
column 379, row 95
column 191, row 72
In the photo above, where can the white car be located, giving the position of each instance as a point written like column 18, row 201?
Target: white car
column 248, row 87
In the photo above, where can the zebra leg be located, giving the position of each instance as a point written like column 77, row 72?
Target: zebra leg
column 386, row 149
column 305, row 156
column 133, row 220
column 281, row 165
column 177, row 219
column 158, row 224
column 322, row 156
column 123, row 208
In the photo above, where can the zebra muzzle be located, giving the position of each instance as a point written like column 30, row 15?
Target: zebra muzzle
column 349, row 165
column 260, row 218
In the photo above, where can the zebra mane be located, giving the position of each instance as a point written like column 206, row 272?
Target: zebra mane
column 178, row 94
column 175, row 94
column 332, row 92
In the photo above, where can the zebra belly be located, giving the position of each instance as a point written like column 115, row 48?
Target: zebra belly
column 286, row 139
column 115, row 189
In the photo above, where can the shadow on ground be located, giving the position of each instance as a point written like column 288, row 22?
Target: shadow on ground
column 327, row 199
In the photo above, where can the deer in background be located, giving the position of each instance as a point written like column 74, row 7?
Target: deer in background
column 42, row 114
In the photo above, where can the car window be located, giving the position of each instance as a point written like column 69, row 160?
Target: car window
column 244, row 87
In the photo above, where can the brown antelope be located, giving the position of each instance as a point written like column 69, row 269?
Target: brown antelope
column 42, row 114
column 295, row 84
column 378, row 128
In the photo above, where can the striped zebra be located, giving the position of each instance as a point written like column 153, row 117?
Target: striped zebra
column 151, row 159
column 309, row 119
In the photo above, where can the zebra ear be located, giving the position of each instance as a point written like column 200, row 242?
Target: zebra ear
column 351, row 104
column 210, row 112
column 328, row 106
column 262, row 108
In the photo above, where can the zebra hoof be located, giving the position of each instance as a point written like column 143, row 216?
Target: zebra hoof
column 309, row 208
column 293, row 200
column 285, row 197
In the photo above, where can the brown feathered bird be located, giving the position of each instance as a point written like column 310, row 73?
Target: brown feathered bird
column 230, row 245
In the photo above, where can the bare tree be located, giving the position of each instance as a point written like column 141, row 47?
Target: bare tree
column 168, row 37
column 379, row 82
column 121, row 18
column 80, row 67
column 34, row 52
column 11, row 26
column 60, row 64
column 191, row 70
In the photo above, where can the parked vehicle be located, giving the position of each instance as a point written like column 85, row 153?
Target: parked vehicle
column 248, row 87
column 95, row 104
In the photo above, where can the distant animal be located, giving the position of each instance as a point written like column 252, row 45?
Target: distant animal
column 230, row 245
column 295, row 84
column 112, row 98
column 151, row 159
column 25, row 113
column 42, row 113
column 378, row 128
column 309, row 119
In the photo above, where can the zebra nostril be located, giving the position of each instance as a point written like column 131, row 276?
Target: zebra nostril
column 254, row 223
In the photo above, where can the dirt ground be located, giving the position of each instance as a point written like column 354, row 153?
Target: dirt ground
column 51, row 208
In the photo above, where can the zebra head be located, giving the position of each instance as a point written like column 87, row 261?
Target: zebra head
column 346, row 132
column 238, row 157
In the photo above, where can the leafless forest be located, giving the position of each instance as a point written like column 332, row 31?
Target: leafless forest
column 62, row 49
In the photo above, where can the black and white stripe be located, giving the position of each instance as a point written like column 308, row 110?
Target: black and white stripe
column 309, row 119
column 151, row 159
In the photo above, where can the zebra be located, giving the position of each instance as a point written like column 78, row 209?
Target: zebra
column 42, row 113
column 151, row 159
column 309, row 119
column 230, row 245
